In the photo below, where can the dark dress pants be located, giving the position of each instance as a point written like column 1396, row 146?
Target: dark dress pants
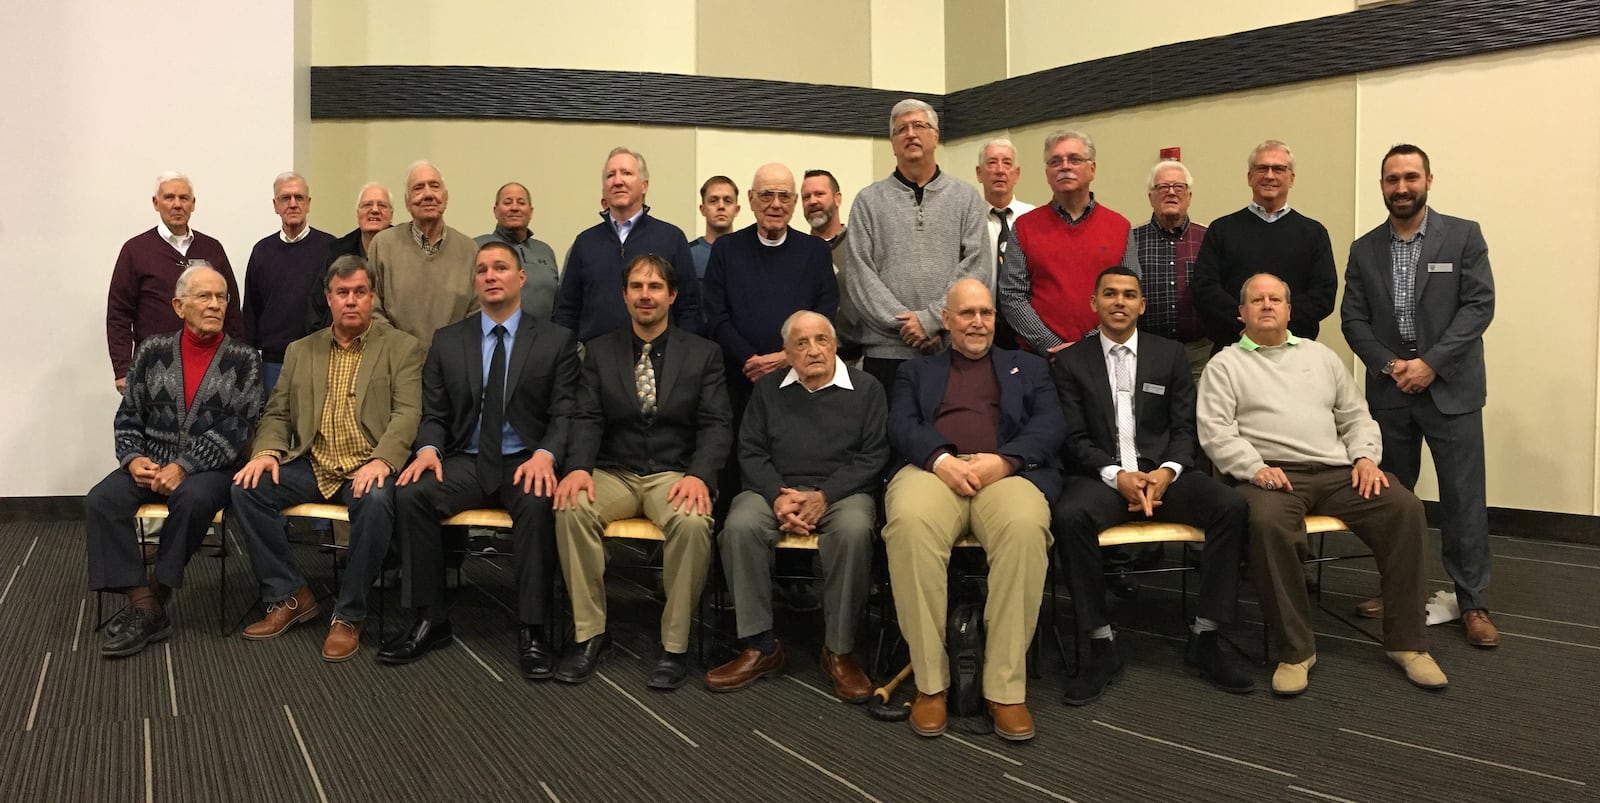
column 115, row 559
column 266, row 535
column 1457, row 445
column 1087, row 506
column 426, row 502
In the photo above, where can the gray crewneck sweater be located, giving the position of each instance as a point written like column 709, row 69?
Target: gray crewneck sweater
column 1294, row 403
column 904, row 257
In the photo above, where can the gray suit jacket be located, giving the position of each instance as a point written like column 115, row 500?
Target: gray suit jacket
column 1454, row 299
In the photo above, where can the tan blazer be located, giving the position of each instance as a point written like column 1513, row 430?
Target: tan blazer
column 388, row 395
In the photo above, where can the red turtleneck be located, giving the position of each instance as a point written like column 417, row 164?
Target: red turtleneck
column 197, row 354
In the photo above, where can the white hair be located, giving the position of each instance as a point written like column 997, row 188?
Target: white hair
column 181, row 287
column 1150, row 183
column 286, row 177
column 418, row 164
column 644, row 169
column 910, row 105
column 1269, row 145
column 172, row 175
column 997, row 142
column 1057, row 137
column 800, row 315
column 369, row 185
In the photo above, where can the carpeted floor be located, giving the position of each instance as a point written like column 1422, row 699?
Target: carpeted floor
column 207, row 718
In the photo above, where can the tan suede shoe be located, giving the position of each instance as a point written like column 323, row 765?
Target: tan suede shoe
column 1420, row 669
column 1292, row 679
column 1011, row 722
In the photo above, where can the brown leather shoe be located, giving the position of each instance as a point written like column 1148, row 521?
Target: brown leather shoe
column 1011, row 721
column 749, row 667
column 344, row 638
column 1370, row 608
column 283, row 614
column 928, row 716
column 1481, row 631
column 850, row 684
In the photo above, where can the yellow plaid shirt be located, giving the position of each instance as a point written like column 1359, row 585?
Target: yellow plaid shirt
column 339, row 447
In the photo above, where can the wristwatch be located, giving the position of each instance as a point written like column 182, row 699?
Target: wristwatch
column 1388, row 367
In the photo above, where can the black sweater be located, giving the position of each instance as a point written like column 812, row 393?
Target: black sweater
column 834, row 440
column 1294, row 248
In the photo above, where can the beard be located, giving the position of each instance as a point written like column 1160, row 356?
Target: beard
column 1419, row 203
column 821, row 218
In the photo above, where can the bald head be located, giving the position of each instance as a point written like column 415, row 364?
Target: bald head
column 773, row 198
column 969, row 315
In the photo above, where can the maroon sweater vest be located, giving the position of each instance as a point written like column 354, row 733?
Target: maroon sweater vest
column 1063, row 261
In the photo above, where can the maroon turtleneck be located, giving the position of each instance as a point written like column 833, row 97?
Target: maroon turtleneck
column 197, row 354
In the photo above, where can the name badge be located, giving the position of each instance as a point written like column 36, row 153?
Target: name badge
column 1159, row 390
column 1441, row 267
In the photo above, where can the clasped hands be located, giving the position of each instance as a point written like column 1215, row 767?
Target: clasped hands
column 971, row 474
column 1143, row 489
column 915, row 336
column 799, row 511
column 1412, row 376
column 153, row 476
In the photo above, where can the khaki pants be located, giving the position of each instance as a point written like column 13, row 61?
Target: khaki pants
column 1011, row 519
column 686, row 557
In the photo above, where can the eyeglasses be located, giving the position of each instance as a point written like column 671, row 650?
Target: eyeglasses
column 1277, row 170
column 1074, row 159
column 781, row 196
column 374, row 205
column 1171, row 186
column 286, row 198
column 916, row 126
column 208, row 298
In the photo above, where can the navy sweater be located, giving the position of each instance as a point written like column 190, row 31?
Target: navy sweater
column 277, row 280
column 751, row 288
column 590, row 299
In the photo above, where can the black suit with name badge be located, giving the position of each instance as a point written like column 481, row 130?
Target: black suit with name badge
column 1164, row 422
column 540, row 393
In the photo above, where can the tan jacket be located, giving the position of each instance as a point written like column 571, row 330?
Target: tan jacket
column 388, row 395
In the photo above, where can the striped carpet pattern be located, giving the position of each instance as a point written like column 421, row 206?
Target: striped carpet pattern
column 209, row 718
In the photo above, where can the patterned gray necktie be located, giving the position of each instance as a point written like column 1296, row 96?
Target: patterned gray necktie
column 644, row 379
column 1127, row 456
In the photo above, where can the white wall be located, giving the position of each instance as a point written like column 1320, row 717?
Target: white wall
column 104, row 96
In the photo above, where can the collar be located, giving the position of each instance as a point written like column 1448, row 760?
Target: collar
column 841, row 377
column 833, row 242
column 1183, row 226
column 422, row 241
column 1060, row 210
column 304, row 233
column 1250, row 345
column 773, row 243
column 507, row 235
column 1270, row 217
column 166, row 233
column 511, row 324
column 355, row 344
column 1106, row 344
column 630, row 222
column 1421, row 231
column 901, row 177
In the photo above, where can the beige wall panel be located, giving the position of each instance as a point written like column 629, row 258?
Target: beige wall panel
column 1050, row 33
column 642, row 35
column 908, row 45
column 337, row 170
column 975, row 43
column 737, row 154
column 1475, row 118
column 1217, row 134
column 815, row 42
column 559, row 162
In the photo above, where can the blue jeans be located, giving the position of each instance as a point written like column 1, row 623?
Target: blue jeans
column 266, row 538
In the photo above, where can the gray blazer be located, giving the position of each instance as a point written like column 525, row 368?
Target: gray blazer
column 1454, row 300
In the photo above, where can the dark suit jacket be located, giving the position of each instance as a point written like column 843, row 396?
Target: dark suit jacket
column 692, row 430
column 1454, row 299
column 388, row 395
column 1163, row 404
column 1030, row 427
column 541, row 386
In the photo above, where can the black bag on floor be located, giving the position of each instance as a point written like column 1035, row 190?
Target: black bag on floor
column 964, row 640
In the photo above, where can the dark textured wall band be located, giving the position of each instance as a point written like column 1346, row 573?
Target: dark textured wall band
column 1376, row 38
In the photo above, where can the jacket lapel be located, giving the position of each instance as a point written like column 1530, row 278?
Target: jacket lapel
column 671, row 361
column 520, row 350
column 932, row 391
column 1431, row 246
column 1100, row 389
column 472, row 359
column 371, row 353
column 321, row 352
column 1007, row 377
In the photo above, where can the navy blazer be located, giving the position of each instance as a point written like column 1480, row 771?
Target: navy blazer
column 1163, row 404
column 1454, row 298
column 1031, row 428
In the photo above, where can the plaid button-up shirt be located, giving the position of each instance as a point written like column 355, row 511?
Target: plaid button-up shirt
column 1403, row 256
column 339, row 447
column 1167, row 258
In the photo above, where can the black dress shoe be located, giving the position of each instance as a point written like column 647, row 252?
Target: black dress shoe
column 533, row 651
column 423, row 638
column 139, row 628
column 670, row 671
column 1104, row 668
column 580, row 660
column 1205, row 657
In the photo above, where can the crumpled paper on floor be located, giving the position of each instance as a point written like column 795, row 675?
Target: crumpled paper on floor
column 1442, row 607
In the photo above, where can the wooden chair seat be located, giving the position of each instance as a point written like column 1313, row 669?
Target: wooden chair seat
column 160, row 512
column 635, row 529
column 1151, row 532
column 319, row 510
column 493, row 518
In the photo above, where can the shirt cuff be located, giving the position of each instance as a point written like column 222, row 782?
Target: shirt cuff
column 276, row 454
column 934, row 463
column 1177, row 470
column 1108, row 475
